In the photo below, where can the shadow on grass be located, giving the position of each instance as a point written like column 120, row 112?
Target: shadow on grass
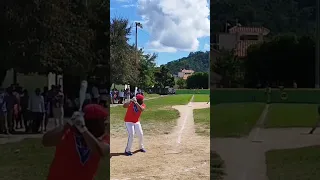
column 217, row 166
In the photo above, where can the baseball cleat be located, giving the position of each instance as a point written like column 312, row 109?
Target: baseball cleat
column 143, row 150
column 129, row 153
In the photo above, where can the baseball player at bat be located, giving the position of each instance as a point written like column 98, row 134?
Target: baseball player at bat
column 80, row 143
column 132, row 122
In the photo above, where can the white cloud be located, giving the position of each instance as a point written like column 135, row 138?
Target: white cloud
column 175, row 24
column 123, row 1
column 206, row 47
column 128, row 5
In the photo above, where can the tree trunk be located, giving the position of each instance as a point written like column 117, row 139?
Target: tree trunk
column 3, row 73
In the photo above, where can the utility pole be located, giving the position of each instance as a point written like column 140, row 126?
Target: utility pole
column 209, row 70
column 317, row 60
column 140, row 26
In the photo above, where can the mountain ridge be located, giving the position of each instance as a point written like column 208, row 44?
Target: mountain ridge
column 197, row 61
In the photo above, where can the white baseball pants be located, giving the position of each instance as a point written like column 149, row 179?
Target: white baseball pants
column 131, row 129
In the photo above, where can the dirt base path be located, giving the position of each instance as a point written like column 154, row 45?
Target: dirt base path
column 245, row 157
column 180, row 155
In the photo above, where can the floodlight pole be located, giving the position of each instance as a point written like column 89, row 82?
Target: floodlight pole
column 138, row 24
column 317, row 60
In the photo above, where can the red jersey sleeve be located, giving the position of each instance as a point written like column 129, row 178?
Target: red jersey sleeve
column 105, row 139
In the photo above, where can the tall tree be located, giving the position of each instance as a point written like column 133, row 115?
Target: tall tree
column 99, row 22
column 281, row 61
column 228, row 66
column 181, row 83
column 297, row 16
column 147, row 66
column 163, row 77
column 122, row 55
column 44, row 36
column 198, row 81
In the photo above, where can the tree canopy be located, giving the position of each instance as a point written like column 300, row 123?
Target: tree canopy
column 296, row 16
column 66, row 37
column 281, row 61
column 198, row 80
column 163, row 77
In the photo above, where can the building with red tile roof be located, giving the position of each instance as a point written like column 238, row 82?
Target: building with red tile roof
column 240, row 38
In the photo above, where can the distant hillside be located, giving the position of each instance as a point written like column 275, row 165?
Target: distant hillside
column 197, row 61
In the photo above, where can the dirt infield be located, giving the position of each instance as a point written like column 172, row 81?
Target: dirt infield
column 179, row 155
column 245, row 157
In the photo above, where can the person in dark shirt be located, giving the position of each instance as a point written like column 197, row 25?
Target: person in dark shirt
column 11, row 100
column 17, row 108
column 3, row 113
column 24, row 101
column 46, row 98
column 58, row 109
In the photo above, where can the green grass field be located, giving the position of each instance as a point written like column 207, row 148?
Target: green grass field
column 202, row 121
column 294, row 164
column 201, row 98
column 291, row 115
column 146, row 95
column 193, row 91
column 234, row 120
column 29, row 160
column 158, row 118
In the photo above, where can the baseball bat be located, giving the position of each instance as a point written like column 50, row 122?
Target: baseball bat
column 135, row 91
column 82, row 93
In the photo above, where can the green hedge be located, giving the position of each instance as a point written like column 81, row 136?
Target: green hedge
column 309, row 96
column 192, row 91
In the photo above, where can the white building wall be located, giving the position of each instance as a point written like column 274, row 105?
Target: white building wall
column 32, row 81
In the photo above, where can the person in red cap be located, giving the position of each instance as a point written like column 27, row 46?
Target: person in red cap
column 132, row 121
column 80, row 144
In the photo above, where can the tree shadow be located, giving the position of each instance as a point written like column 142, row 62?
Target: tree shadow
column 19, row 133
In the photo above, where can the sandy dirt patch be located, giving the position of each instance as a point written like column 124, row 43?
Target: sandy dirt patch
column 179, row 155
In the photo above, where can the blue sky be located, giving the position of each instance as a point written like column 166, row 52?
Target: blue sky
column 171, row 48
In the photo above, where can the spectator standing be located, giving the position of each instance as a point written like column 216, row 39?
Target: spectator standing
column 103, row 101
column 58, row 111
column 17, row 108
column 46, row 98
column 37, row 109
column 95, row 94
column 10, row 102
column 51, row 94
column 3, row 113
column 24, row 100
column 127, row 94
column 111, row 96
column 121, row 95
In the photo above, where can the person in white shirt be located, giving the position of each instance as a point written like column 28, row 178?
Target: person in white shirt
column 95, row 94
column 121, row 95
column 127, row 94
column 37, row 109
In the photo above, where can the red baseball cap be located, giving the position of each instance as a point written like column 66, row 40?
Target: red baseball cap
column 139, row 97
column 94, row 112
